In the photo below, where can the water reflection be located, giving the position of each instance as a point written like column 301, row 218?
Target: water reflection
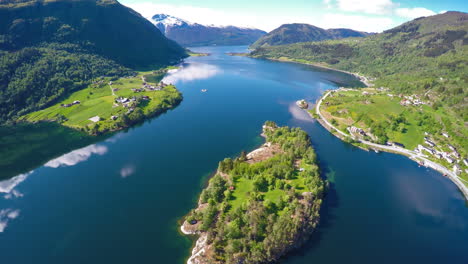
column 8, row 186
column 298, row 113
column 194, row 71
column 6, row 215
column 76, row 156
column 127, row 170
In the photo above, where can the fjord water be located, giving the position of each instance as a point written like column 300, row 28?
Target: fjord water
column 119, row 200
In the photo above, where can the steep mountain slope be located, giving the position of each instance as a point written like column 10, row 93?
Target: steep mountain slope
column 113, row 30
column 294, row 33
column 427, row 56
column 53, row 47
column 193, row 34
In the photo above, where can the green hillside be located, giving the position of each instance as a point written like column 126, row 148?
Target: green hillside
column 427, row 56
column 49, row 49
column 294, row 33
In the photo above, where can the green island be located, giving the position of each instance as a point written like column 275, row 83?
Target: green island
column 111, row 104
column 261, row 205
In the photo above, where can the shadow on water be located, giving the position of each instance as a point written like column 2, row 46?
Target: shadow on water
column 24, row 147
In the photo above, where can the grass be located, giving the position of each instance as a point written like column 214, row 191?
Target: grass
column 98, row 100
column 243, row 187
column 352, row 108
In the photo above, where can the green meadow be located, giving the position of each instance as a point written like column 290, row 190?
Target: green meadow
column 99, row 99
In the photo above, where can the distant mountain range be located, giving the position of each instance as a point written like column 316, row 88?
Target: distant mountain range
column 427, row 55
column 294, row 33
column 192, row 34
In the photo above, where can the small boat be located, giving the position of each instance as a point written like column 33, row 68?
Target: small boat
column 376, row 151
column 204, row 90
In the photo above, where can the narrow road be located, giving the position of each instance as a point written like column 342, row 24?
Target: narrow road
column 112, row 90
column 412, row 154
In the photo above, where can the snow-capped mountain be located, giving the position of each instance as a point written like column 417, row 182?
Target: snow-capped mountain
column 193, row 34
column 163, row 21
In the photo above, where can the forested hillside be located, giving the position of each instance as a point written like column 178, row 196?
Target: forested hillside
column 295, row 33
column 427, row 56
column 50, row 48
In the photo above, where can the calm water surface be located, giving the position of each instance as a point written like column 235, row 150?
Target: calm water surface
column 119, row 200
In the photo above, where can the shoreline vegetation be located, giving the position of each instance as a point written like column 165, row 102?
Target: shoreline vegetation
column 417, row 156
column 112, row 104
column 197, row 54
column 353, row 139
column 261, row 205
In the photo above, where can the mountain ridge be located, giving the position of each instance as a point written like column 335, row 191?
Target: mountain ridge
column 300, row 32
column 194, row 34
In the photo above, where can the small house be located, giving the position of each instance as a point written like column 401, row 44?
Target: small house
column 95, row 119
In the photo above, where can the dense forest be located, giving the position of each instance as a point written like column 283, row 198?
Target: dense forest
column 427, row 56
column 49, row 49
column 255, row 212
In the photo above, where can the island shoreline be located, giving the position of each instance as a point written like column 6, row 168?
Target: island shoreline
column 433, row 165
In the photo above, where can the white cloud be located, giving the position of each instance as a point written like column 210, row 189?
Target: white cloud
column 377, row 7
column 201, row 15
column 413, row 12
column 191, row 73
column 360, row 9
column 127, row 171
column 77, row 156
column 356, row 22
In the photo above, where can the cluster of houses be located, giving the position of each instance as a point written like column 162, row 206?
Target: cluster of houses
column 452, row 157
column 72, row 104
column 356, row 130
column 151, row 87
column 410, row 100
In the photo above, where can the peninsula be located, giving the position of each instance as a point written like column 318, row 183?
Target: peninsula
column 261, row 205
column 111, row 104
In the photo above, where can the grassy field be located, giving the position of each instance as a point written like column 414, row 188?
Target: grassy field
column 99, row 100
column 403, row 124
column 244, row 187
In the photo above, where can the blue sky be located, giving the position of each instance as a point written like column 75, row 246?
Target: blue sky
column 365, row 15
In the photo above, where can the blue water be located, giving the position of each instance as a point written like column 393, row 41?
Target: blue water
column 118, row 201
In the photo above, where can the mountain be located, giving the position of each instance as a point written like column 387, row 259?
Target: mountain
column 427, row 56
column 193, row 34
column 294, row 33
column 113, row 30
column 50, row 48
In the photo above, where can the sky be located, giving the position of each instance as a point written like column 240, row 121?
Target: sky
column 363, row 15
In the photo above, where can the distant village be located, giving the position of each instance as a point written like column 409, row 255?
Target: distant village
column 452, row 156
column 129, row 103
